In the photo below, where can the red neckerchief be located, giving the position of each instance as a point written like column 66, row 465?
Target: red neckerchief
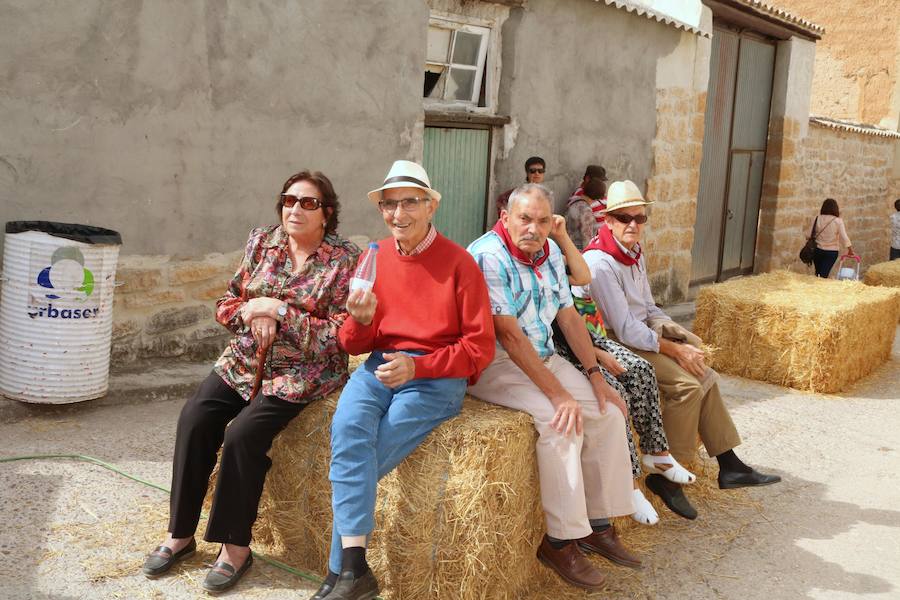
column 517, row 254
column 605, row 241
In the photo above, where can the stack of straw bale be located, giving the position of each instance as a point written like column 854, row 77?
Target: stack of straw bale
column 796, row 330
column 460, row 519
column 884, row 274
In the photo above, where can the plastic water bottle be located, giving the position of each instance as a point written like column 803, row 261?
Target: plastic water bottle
column 364, row 278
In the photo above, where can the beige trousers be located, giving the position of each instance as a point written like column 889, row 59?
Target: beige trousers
column 687, row 411
column 582, row 477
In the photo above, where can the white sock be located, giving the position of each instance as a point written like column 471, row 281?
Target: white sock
column 643, row 510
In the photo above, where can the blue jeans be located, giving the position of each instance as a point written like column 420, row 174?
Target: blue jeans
column 374, row 428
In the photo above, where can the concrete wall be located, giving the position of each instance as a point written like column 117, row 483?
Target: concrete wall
column 857, row 60
column 579, row 81
column 177, row 123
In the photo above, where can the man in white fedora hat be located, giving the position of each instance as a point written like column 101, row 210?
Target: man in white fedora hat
column 691, row 399
column 582, row 453
column 427, row 326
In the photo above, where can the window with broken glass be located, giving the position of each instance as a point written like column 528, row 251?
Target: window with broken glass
column 454, row 65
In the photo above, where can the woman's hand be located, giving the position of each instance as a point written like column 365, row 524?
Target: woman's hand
column 399, row 369
column 260, row 307
column 609, row 362
column 264, row 330
column 361, row 306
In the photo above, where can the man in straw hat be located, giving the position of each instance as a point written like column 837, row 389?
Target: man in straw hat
column 691, row 399
column 582, row 452
column 427, row 324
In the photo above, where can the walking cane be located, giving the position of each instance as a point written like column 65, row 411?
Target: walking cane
column 262, row 357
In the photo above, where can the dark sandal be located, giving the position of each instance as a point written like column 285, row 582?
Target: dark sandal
column 216, row 582
column 162, row 559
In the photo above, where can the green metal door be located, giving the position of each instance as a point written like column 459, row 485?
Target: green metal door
column 457, row 163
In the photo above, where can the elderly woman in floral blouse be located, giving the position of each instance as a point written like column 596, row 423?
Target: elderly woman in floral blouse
column 290, row 291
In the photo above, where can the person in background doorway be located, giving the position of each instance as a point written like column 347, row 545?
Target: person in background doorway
column 895, row 231
column 535, row 168
column 830, row 235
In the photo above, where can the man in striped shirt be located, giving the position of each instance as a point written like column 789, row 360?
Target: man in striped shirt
column 582, row 452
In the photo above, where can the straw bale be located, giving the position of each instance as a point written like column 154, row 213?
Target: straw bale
column 796, row 330
column 885, row 274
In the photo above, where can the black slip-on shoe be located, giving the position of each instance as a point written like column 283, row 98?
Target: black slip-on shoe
column 222, row 576
column 323, row 591
column 731, row 479
column 162, row 559
column 364, row 587
column 672, row 496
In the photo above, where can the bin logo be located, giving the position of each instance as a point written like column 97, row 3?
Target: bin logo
column 66, row 280
column 66, row 273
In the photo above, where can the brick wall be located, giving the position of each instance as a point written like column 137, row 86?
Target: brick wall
column 165, row 307
column 853, row 168
column 673, row 185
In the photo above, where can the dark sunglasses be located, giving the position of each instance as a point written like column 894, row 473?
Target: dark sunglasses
column 626, row 219
column 536, row 170
column 306, row 202
column 407, row 204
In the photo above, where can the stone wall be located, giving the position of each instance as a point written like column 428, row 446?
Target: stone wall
column 165, row 307
column 856, row 60
column 853, row 168
column 673, row 186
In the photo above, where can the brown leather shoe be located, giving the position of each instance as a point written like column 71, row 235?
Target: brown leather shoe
column 607, row 544
column 570, row 564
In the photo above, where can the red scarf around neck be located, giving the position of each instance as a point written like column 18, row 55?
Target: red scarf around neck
column 517, row 254
column 605, row 241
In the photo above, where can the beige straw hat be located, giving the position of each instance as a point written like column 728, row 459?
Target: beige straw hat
column 405, row 173
column 624, row 194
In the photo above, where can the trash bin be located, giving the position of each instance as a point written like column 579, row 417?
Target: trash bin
column 56, row 311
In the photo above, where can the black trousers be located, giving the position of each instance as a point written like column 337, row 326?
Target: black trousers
column 244, row 464
column 824, row 260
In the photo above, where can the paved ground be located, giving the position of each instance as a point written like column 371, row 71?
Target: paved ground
column 830, row 530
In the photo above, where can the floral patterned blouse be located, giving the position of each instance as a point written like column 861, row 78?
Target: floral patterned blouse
column 305, row 361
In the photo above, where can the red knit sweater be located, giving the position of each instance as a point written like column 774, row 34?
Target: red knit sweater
column 436, row 302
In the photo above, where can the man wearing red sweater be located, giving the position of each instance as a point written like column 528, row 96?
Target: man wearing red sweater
column 427, row 324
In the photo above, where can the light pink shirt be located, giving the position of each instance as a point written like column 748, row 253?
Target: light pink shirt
column 830, row 233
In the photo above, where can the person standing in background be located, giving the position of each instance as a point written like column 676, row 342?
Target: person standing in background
column 895, row 231
column 828, row 229
column 535, row 167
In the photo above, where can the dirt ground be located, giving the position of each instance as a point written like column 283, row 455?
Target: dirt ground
column 830, row 530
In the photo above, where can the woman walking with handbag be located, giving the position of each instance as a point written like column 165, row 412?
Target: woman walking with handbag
column 830, row 235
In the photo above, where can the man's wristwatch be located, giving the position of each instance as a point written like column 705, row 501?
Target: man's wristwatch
column 594, row 369
column 281, row 311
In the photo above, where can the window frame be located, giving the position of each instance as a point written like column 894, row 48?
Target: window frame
column 465, row 25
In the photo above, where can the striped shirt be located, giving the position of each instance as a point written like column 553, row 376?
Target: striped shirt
column 422, row 246
column 516, row 291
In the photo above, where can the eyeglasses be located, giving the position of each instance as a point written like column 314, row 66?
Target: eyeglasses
column 306, row 202
column 535, row 170
column 407, row 204
column 627, row 219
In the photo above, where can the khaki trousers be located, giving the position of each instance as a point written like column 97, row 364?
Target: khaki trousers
column 687, row 411
column 582, row 477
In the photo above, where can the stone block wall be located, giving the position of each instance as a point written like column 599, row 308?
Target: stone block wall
column 856, row 169
column 673, row 186
column 165, row 306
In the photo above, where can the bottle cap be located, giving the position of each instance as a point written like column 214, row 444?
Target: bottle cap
column 373, row 245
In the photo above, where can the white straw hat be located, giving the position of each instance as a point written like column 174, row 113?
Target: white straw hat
column 405, row 173
column 624, row 194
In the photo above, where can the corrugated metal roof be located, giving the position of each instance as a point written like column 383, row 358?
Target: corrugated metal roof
column 861, row 128
column 643, row 11
column 779, row 14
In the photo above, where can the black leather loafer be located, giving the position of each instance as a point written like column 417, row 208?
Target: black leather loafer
column 222, row 576
column 162, row 559
column 672, row 496
column 730, row 479
column 364, row 587
column 323, row 591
